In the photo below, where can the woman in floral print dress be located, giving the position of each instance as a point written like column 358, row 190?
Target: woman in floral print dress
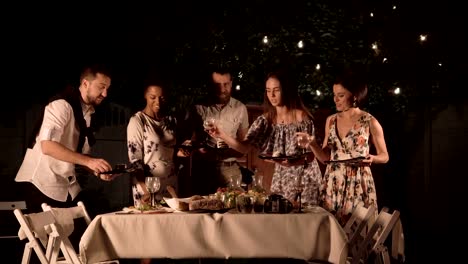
column 274, row 133
column 151, row 140
column 347, row 135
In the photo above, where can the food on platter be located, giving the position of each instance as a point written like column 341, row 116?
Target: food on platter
column 195, row 202
column 145, row 209
column 206, row 204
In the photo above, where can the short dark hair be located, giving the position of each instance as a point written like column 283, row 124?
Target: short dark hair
column 93, row 69
column 219, row 68
column 354, row 79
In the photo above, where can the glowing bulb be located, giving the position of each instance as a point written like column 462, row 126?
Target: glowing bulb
column 374, row 46
column 240, row 75
column 318, row 92
column 238, row 87
column 394, row 7
column 440, row 64
column 265, row 39
column 397, row 90
column 317, row 67
column 422, row 38
column 300, row 44
column 384, row 59
column 371, row 14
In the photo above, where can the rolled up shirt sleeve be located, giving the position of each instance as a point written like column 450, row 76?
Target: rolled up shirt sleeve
column 57, row 115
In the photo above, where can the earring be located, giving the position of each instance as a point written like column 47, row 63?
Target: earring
column 354, row 102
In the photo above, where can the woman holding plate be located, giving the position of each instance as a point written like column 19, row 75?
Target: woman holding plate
column 348, row 178
column 274, row 134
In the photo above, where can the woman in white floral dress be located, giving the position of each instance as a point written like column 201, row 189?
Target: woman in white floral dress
column 347, row 135
column 274, row 133
column 151, row 140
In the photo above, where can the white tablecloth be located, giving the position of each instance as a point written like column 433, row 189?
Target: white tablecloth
column 308, row 236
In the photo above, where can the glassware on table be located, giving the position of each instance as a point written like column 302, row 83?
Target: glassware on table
column 245, row 203
column 298, row 189
column 314, row 204
column 259, row 201
column 257, row 182
column 152, row 185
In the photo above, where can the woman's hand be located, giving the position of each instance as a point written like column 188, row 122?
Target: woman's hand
column 368, row 160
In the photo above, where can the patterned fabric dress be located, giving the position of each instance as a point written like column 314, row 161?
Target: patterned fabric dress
column 151, row 147
column 346, row 185
column 281, row 138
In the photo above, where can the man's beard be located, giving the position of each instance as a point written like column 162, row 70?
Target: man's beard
column 95, row 101
column 224, row 98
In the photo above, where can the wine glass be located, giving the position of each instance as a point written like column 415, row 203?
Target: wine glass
column 314, row 205
column 298, row 189
column 152, row 184
column 303, row 140
column 209, row 123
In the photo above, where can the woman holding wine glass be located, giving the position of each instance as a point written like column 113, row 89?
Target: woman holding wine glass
column 347, row 135
column 274, row 134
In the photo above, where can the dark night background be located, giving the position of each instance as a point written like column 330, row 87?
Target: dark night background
column 44, row 48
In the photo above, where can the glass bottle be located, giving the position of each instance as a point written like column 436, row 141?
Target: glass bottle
column 257, row 182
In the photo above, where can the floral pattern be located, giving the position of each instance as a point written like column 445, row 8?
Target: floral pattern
column 151, row 147
column 344, row 186
column 281, row 138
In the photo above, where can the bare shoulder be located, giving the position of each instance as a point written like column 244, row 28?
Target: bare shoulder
column 374, row 123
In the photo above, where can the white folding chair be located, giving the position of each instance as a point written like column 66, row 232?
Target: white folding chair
column 374, row 241
column 65, row 217
column 39, row 228
column 357, row 226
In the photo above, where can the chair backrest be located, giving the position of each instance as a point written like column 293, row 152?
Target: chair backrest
column 40, row 229
column 65, row 217
column 78, row 211
column 357, row 226
column 375, row 238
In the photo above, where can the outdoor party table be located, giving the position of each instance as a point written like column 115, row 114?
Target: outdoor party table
column 312, row 235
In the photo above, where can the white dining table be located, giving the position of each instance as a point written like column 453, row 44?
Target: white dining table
column 309, row 236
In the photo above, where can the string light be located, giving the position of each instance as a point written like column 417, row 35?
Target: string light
column 375, row 46
column 238, row 87
column 300, row 44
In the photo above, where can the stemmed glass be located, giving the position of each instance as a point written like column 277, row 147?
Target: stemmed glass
column 209, row 123
column 152, row 184
column 303, row 141
column 298, row 189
